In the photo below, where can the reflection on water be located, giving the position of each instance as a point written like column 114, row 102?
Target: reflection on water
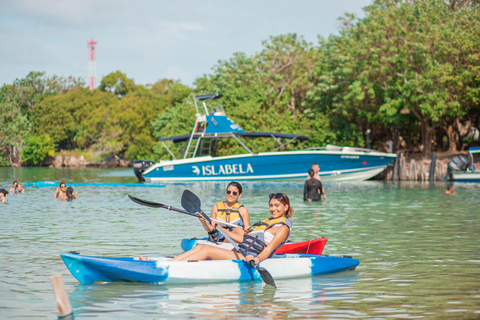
column 418, row 249
column 300, row 297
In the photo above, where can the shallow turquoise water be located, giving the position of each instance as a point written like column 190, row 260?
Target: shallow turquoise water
column 418, row 248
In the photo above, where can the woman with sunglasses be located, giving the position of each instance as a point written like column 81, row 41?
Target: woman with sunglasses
column 229, row 211
column 259, row 244
column 61, row 191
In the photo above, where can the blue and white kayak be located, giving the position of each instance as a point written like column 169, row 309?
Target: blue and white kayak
column 90, row 269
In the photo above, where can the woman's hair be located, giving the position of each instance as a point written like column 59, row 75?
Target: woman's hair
column 15, row 183
column 283, row 198
column 311, row 173
column 69, row 193
column 236, row 185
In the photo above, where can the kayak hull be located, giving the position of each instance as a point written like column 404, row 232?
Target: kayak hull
column 314, row 246
column 91, row 269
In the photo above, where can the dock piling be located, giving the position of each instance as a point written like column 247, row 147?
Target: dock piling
column 431, row 175
column 64, row 308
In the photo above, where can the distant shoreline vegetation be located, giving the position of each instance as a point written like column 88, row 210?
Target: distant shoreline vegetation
column 407, row 76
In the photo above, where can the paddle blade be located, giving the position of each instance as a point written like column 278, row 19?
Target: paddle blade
column 191, row 202
column 266, row 276
column 146, row 202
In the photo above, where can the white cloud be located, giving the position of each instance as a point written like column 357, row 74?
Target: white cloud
column 150, row 39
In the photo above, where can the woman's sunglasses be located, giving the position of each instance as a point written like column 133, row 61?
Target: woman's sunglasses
column 276, row 195
column 235, row 193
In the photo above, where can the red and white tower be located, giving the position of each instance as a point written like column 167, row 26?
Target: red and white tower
column 91, row 62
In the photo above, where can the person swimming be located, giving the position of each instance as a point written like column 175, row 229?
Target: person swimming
column 70, row 195
column 17, row 188
column 61, row 191
column 450, row 189
column 3, row 193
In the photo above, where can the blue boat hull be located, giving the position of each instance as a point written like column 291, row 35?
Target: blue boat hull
column 335, row 166
column 471, row 176
column 90, row 269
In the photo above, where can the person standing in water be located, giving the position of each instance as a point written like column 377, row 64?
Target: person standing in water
column 61, row 191
column 313, row 189
column 70, row 195
column 450, row 189
column 316, row 168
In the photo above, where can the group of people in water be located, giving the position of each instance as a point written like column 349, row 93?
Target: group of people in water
column 62, row 192
column 16, row 188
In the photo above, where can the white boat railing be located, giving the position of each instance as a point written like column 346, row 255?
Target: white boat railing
column 330, row 147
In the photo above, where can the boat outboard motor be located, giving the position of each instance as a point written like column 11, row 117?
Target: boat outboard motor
column 139, row 167
column 459, row 163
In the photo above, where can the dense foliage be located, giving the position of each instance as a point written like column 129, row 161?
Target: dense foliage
column 408, row 73
column 37, row 148
column 409, row 69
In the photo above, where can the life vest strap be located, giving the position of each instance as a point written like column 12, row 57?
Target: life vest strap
column 214, row 236
column 252, row 244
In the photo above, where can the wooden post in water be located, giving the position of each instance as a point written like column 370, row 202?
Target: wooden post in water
column 63, row 303
column 395, row 167
column 431, row 175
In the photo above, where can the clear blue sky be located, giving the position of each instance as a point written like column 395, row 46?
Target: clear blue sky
column 151, row 40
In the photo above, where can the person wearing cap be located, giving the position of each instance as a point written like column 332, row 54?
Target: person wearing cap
column 3, row 193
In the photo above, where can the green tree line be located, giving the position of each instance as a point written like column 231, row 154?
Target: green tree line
column 408, row 73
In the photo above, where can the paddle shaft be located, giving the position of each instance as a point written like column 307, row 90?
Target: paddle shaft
column 161, row 205
column 223, row 233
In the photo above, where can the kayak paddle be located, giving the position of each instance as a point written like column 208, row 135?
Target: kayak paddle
column 161, row 205
column 191, row 203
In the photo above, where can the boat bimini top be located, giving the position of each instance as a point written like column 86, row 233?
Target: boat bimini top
column 210, row 126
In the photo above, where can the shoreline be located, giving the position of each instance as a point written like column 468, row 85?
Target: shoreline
column 408, row 166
